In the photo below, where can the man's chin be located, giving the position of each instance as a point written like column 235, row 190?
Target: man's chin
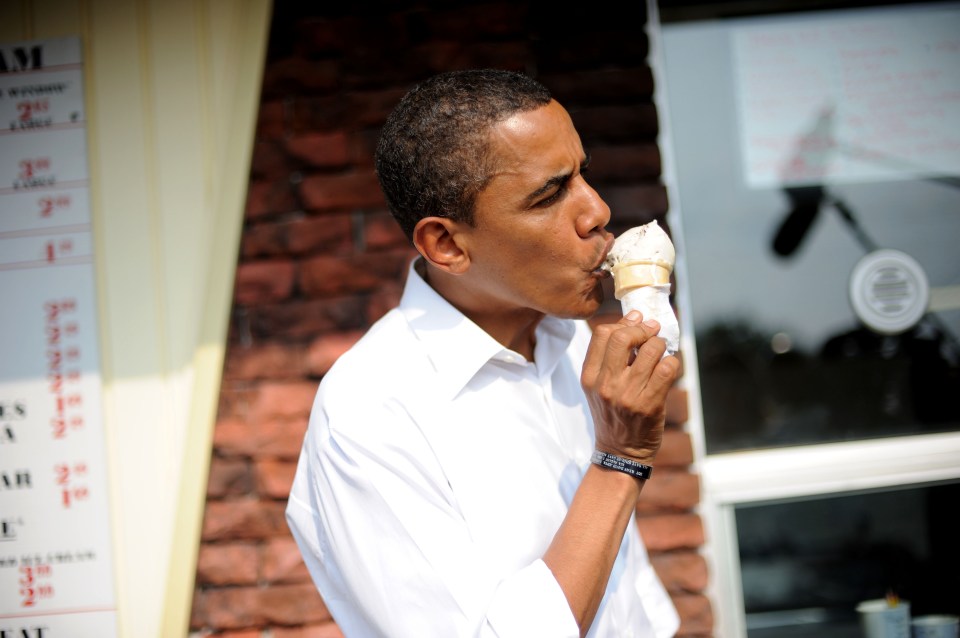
column 589, row 302
column 585, row 310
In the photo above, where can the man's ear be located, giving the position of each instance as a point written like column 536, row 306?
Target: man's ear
column 440, row 241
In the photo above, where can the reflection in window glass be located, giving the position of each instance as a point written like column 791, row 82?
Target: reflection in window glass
column 806, row 564
column 803, row 146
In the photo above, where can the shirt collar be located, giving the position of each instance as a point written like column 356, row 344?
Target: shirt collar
column 458, row 348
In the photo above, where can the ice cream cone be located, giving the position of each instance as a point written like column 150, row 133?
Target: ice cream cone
column 641, row 261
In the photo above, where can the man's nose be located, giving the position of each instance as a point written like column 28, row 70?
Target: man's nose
column 594, row 214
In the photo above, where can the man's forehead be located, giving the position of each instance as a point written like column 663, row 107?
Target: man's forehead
column 522, row 123
column 535, row 138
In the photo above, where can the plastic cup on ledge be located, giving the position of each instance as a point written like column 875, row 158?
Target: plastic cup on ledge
column 882, row 618
column 935, row 626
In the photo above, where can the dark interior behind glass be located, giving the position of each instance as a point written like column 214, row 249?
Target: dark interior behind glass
column 808, row 563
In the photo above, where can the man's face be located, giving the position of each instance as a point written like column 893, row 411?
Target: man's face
column 538, row 238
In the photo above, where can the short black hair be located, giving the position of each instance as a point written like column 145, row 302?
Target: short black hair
column 433, row 156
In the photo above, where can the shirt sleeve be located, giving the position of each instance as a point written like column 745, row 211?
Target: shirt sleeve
column 530, row 603
column 388, row 549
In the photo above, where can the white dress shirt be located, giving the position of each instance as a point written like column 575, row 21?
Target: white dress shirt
column 436, row 469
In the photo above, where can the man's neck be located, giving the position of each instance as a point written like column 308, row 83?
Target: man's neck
column 514, row 329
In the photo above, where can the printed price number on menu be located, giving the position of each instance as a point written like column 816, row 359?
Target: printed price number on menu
column 56, row 573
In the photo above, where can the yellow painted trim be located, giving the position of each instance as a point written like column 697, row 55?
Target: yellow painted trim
column 149, row 152
column 228, row 206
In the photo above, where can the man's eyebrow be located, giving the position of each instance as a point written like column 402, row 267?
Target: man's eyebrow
column 556, row 180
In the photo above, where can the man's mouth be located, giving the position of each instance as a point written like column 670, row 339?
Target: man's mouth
column 601, row 269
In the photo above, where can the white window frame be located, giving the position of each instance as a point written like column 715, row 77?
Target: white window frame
column 732, row 479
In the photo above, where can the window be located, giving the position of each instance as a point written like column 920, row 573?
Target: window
column 813, row 166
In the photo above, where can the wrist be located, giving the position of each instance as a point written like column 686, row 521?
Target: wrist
column 622, row 464
column 639, row 455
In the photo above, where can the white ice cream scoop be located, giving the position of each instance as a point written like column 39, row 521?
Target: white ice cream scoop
column 641, row 261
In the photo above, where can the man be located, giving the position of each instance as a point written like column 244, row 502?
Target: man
column 445, row 487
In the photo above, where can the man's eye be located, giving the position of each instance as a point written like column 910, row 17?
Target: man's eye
column 552, row 199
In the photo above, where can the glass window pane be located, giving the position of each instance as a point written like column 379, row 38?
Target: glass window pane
column 807, row 329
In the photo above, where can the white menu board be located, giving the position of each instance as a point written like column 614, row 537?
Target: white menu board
column 56, row 572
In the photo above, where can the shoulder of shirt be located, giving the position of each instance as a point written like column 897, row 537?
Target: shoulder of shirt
column 380, row 355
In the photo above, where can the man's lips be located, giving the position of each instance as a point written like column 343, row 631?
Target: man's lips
column 599, row 270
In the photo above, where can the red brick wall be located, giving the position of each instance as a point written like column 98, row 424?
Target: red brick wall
column 315, row 214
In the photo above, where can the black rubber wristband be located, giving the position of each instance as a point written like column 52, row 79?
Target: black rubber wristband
column 627, row 466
